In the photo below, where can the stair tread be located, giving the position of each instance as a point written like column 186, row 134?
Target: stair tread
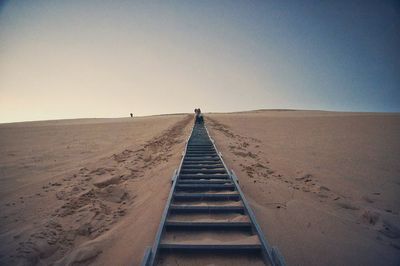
column 205, row 186
column 204, row 207
column 185, row 246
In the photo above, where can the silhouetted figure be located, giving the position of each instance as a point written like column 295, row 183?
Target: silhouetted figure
column 131, row 115
column 198, row 116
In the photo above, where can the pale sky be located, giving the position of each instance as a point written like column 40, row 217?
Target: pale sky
column 74, row 59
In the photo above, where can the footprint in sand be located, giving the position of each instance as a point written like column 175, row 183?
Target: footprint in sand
column 370, row 217
column 347, row 205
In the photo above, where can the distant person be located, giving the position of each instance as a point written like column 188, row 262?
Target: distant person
column 198, row 115
column 131, row 115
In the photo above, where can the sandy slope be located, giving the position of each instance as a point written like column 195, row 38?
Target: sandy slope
column 324, row 186
column 85, row 191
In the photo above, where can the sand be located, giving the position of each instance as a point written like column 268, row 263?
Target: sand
column 87, row 191
column 324, row 186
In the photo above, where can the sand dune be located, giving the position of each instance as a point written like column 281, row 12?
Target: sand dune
column 324, row 186
column 85, row 191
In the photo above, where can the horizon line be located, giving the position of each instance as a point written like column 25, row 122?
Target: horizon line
column 211, row 112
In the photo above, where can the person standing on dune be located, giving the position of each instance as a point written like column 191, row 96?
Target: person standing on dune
column 198, row 115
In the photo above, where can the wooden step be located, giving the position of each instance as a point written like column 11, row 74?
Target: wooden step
column 192, row 176
column 205, row 186
column 207, row 225
column 210, row 247
column 206, row 209
column 206, row 196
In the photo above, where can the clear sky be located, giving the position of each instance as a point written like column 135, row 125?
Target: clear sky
column 70, row 59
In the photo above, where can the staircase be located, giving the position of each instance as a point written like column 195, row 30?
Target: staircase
column 207, row 219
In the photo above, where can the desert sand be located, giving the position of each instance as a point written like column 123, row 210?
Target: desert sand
column 324, row 186
column 85, row 191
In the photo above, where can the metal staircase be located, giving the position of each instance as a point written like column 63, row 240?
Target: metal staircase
column 207, row 215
